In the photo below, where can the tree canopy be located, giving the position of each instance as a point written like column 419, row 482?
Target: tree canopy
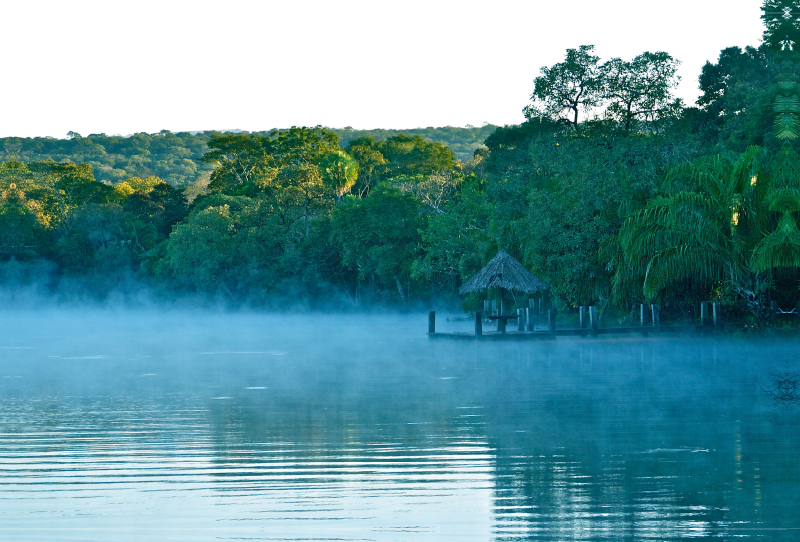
column 612, row 191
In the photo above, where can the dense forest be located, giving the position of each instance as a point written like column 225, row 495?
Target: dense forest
column 177, row 159
column 612, row 191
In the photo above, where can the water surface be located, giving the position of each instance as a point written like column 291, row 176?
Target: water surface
column 170, row 426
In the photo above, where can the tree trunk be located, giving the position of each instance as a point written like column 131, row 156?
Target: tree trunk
column 399, row 287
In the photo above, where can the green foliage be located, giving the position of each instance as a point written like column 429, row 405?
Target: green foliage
column 737, row 101
column 230, row 250
column 457, row 241
column 172, row 157
column 462, row 141
column 640, row 90
column 339, row 172
column 241, row 161
column 612, row 192
column 177, row 157
column 565, row 89
column 781, row 19
column 722, row 221
column 379, row 236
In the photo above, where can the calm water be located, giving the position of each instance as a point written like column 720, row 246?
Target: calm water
column 136, row 426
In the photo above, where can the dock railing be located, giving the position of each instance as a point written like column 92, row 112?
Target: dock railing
column 531, row 323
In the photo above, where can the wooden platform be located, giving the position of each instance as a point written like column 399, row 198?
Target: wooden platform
column 576, row 332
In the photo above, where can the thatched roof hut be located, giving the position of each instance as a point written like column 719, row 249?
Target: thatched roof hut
column 503, row 271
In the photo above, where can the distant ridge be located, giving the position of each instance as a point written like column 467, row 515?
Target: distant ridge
column 175, row 157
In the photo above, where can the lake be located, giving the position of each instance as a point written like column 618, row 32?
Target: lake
column 178, row 426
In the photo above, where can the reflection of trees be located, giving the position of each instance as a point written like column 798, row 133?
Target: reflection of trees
column 783, row 388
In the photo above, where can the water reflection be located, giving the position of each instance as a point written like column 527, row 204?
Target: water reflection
column 348, row 439
column 783, row 388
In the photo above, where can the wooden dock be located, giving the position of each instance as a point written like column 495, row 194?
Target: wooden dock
column 528, row 332
column 574, row 332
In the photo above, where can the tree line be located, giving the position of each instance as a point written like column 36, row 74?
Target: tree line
column 612, row 191
column 176, row 158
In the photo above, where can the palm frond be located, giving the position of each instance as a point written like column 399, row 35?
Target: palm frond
column 781, row 248
column 784, row 199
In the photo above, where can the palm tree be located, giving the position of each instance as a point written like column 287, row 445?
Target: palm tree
column 724, row 220
column 339, row 172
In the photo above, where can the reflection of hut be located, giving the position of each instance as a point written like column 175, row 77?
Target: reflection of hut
column 505, row 273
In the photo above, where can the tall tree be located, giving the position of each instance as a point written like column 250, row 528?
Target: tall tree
column 640, row 90
column 239, row 159
column 366, row 151
column 565, row 89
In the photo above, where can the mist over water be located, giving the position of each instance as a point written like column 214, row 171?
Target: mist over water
column 136, row 425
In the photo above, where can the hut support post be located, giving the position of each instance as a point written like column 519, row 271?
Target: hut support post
column 656, row 316
column 486, row 306
column 520, row 319
column 494, row 307
column 431, row 322
column 582, row 310
column 641, row 314
column 593, row 318
column 529, row 319
column 478, row 324
column 551, row 320
column 716, row 314
column 703, row 314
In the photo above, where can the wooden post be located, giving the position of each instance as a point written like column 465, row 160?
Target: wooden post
column 501, row 325
column 593, row 318
column 486, row 306
column 531, row 321
column 551, row 320
column 774, row 306
column 431, row 322
column 582, row 310
column 717, row 313
column 494, row 307
column 656, row 316
column 520, row 319
column 641, row 314
column 704, row 313
column 478, row 324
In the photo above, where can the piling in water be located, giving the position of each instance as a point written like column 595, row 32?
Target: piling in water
column 478, row 324
column 432, row 322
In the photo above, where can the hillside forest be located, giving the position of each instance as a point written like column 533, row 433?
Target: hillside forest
column 612, row 191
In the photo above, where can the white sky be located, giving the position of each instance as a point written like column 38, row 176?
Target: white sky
column 123, row 66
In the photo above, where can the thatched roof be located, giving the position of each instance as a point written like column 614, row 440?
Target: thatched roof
column 503, row 272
